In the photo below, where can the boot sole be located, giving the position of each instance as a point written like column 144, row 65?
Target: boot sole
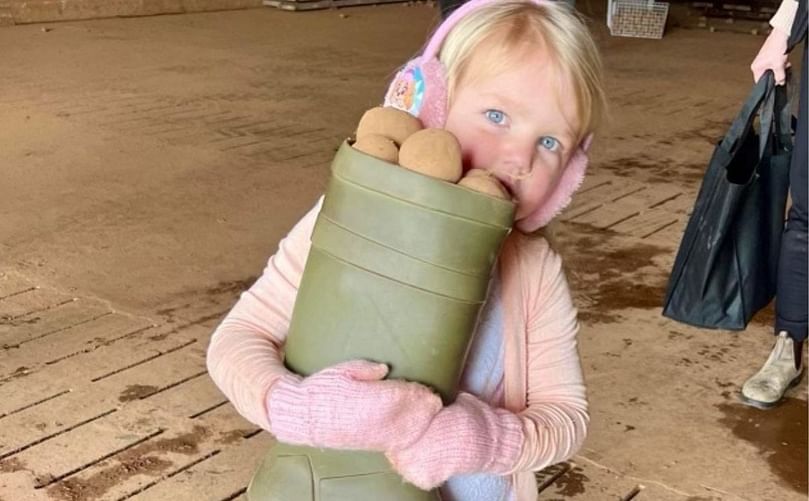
column 769, row 405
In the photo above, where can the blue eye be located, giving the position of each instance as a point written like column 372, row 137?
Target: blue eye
column 549, row 143
column 496, row 116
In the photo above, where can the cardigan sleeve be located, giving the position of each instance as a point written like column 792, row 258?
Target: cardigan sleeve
column 784, row 16
column 245, row 353
column 555, row 419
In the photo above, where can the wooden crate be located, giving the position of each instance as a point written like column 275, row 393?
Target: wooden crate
column 637, row 18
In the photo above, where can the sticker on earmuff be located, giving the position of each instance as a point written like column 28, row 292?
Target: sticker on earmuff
column 407, row 91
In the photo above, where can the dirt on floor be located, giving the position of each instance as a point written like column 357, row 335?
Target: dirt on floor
column 150, row 166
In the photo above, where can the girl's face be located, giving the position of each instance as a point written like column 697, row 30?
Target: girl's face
column 519, row 124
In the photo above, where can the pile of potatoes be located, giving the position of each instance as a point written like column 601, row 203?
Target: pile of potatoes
column 398, row 137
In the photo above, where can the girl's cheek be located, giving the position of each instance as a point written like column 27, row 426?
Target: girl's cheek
column 478, row 151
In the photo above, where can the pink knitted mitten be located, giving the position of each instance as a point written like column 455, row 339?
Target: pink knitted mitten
column 348, row 406
column 465, row 437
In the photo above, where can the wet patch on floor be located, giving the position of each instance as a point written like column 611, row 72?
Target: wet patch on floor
column 233, row 287
column 141, row 460
column 716, row 354
column 608, row 278
column 571, row 483
column 95, row 486
column 725, row 384
column 183, row 444
column 780, row 435
column 710, row 132
column 765, row 317
column 11, row 465
column 686, row 175
column 616, row 296
column 227, row 291
column 675, row 335
column 195, row 306
column 232, row 436
column 136, row 392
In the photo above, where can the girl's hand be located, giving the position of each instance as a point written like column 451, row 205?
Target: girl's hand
column 348, row 406
column 465, row 437
column 772, row 56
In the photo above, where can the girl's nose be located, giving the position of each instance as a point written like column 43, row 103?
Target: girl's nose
column 517, row 158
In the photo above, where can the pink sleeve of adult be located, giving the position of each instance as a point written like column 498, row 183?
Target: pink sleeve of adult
column 784, row 16
column 555, row 420
column 244, row 356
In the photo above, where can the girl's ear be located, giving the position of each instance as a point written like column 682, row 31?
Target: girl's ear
column 420, row 88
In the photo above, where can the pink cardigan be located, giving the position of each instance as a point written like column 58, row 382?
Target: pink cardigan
column 542, row 380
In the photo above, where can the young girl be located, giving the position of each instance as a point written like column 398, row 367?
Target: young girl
column 519, row 83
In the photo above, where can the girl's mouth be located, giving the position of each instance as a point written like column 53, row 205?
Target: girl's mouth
column 508, row 183
column 509, row 186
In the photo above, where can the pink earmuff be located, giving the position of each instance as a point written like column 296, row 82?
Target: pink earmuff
column 420, row 88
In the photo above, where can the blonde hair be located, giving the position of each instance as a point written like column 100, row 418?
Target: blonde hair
column 510, row 27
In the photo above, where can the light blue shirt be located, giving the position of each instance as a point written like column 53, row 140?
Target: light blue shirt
column 482, row 377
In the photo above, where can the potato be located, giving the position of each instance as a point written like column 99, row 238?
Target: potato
column 484, row 183
column 378, row 146
column 392, row 123
column 433, row 152
column 477, row 172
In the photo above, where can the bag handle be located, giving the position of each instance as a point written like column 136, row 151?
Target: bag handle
column 744, row 120
column 776, row 119
column 783, row 113
column 784, row 104
column 768, row 120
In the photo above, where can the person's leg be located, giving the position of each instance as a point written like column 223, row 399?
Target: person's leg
column 783, row 367
column 791, row 289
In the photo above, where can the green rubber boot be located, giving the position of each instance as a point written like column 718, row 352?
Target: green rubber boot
column 398, row 270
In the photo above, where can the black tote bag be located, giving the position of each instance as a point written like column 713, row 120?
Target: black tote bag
column 726, row 264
